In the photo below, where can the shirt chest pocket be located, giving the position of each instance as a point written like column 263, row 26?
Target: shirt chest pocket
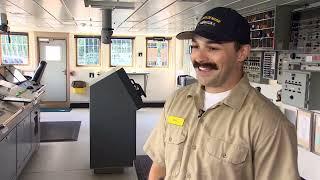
column 227, row 152
column 175, row 139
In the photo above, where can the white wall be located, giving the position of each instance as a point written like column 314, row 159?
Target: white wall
column 160, row 81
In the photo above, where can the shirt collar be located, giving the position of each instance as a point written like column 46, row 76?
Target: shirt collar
column 238, row 94
column 235, row 99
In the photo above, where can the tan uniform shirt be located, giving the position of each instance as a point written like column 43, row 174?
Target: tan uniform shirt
column 244, row 137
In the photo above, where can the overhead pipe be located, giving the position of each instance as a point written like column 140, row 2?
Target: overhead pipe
column 107, row 29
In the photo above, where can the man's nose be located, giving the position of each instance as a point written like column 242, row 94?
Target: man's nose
column 202, row 55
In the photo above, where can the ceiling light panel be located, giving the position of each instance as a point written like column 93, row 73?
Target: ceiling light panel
column 55, row 8
column 80, row 12
column 170, row 11
column 32, row 8
column 194, row 12
column 150, row 8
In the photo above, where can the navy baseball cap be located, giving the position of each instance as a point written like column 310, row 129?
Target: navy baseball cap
column 222, row 25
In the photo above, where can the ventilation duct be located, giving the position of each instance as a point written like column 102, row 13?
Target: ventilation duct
column 109, row 4
column 106, row 7
column 4, row 25
column 3, row 22
column 107, row 30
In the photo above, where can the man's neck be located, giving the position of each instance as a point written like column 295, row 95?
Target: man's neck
column 226, row 86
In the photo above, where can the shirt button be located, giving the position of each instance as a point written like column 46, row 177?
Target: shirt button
column 194, row 147
column 170, row 139
column 224, row 155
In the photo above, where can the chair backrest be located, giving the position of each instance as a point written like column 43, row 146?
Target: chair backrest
column 184, row 80
column 39, row 72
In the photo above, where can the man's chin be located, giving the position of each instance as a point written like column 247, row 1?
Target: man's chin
column 203, row 82
column 208, row 83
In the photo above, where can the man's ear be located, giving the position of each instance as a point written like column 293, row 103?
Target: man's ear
column 243, row 52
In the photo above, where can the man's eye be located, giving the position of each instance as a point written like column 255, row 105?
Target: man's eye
column 194, row 47
column 212, row 48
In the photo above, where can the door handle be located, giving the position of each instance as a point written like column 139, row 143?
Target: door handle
column 36, row 124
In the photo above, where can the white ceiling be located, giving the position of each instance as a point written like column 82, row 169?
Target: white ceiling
column 148, row 16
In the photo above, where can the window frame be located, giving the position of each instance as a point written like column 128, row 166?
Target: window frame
column 158, row 39
column 76, row 37
column 28, row 45
column 132, row 40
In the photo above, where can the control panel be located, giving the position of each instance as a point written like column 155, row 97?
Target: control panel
column 297, row 61
column 253, row 67
column 305, row 34
column 283, row 58
column 299, row 86
column 270, row 65
column 311, row 62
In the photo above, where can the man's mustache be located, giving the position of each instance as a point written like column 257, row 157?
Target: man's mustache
column 206, row 65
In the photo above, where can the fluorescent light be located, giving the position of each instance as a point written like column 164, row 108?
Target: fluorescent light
column 316, row 4
column 289, row 2
column 44, row 39
column 231, row 3
column 263, row 2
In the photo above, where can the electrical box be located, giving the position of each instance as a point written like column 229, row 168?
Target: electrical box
column 270, row 29
column 312, row 62
column 305, row 35
column 288, row 61
column 283, row 58
column 297, row 61
column 270, row 65
column 253, row 67
column 301, row 89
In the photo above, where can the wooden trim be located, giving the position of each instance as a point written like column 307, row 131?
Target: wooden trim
column 122, row 37
column 86, row 36
column 151, row 67
column 99, row 61
column 15, row 33
column 52, row 104
column 132, row 43
column 159, row 38
column 28, row 50
column 67, row 102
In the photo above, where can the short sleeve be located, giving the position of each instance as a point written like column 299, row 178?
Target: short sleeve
column 155, row 146
column 276, row 155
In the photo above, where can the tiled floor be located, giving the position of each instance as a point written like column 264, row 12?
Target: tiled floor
column 70, row 160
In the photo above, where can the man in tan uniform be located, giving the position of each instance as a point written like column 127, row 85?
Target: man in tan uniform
column 221, row 128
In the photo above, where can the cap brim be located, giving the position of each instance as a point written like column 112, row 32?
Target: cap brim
column 185, row 35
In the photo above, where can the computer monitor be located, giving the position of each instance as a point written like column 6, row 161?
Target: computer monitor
column 13, row 75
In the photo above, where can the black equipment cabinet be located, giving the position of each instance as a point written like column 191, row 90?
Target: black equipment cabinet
column 8, row 156
column 19, row 142
column 114, row 99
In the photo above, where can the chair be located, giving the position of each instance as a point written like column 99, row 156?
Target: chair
column 39, row 72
